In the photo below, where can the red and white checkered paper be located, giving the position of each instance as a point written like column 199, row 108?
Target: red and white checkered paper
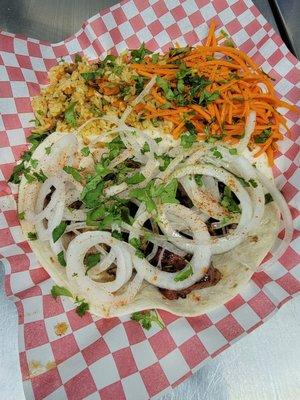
column 116, row 358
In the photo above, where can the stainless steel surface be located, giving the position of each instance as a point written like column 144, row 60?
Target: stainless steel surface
column 290, row 13
column 262, row 366
column 54, row 20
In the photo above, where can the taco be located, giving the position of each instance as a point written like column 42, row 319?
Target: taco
column 122, row 232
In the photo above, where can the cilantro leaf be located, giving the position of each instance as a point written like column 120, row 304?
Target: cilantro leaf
column 91, row 260
column 21, row 215
column 166, row 160
column 233, row 151
column 91, row 76
column 82, row 308
column 32, row 236
column 58, row 231
column 48, row 150
column 85, row 151
column 138, row 55
column 187, row 139
column 138, row 177
column 268, row 198
column 228, row 202
column 78, row 58
column 165, row 86
column 263, row 136
column 207, row 97
column 40, row 176
column 253, row 183
column 198, row 179
column 146, row 318
column 145, row 148
column 144, row 196
column 70, row 115
column 60, row 291
column 136, row 243
column 74, row 172
column 117, row 235
column 139, row 83
column 184, row 274
column 61, row 259
column 216, row 153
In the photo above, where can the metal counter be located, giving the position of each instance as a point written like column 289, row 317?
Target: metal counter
column 264, row 365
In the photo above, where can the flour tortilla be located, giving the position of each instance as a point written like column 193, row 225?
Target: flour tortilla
column 236, row 266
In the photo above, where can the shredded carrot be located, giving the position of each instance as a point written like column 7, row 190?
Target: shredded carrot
column 177, row 131
column 233, row 80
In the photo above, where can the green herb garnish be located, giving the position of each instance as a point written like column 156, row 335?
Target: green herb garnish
column 85, row 151
column 58, row 231
column 146, row 318
column 184, row 274
column 70, row 115
column 74, row 172
column 32, row 236
column 263, row 136
column 61, row 259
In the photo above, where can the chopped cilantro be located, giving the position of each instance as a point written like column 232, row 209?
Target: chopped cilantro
column 138, row 55
column 187, row 139
column 268, row 198
column 48, row 150
column 29, row 177
column 243, row 182
column 155, row 57
column 61, row 259
column 60, row 291
column 146, row 318
column 165, row 86
column 21, row 215
column 253, row 183
column 85, row 151
column 199, row 180
column 166, row 161
column 74, row 172
column 82, row 308
column 136, row 178
column 91, row 260
column 233, row 151
column 78, row 58
column 58, row 231
column 184, row 274
column 158, row 140
column 139, row 83
column 90, row 76
column 136, row 243
column 40, row 176
column 228, row 201
column 117, row 235
column 263, row 136
column 145, row 148
column 70, row 115
column 216, row 153
column 32, row 236
column 34, row 163
column 207, row 97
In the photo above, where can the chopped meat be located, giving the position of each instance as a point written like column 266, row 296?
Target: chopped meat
column 170, row 262
column 76, row 205
column 211, row 278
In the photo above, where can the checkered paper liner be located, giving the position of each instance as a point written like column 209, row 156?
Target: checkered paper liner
column 115, row 358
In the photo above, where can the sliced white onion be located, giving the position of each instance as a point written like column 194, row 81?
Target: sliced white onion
column 76, row 270
column 139, row 98
column 249, row 129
